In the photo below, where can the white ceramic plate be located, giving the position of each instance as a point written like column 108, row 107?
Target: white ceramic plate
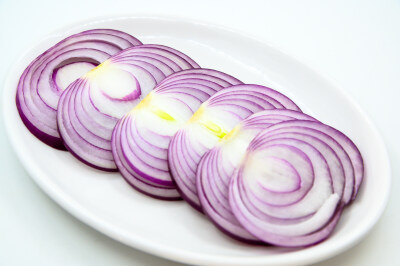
column 172, row 229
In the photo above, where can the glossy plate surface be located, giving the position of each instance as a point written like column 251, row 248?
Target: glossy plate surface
column 172, row 229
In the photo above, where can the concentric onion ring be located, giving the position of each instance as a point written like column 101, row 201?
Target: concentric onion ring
column 141, row 138
column 211, row 122
column 43, row 81
column 291, row 186
column 218, row 165
column 89, row 110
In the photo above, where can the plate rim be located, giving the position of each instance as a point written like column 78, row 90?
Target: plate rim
column 176, row 254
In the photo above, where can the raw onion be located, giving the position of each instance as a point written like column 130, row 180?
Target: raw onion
column 218, row 165
column 245, row 155
column 346, row 151
column 211, row 122
column 140, row 139
column 90, row 108
column 43, row 81
column 291, row 185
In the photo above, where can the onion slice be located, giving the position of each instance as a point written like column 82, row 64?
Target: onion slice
column 90, row 108
column 41, row 84
column 141, row 138
column 342, row 146
column 218, row 165
column 291, row 184
column 211, row 122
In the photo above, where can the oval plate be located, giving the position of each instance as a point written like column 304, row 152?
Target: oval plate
column 172, row 229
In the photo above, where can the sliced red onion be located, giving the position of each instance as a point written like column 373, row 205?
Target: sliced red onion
column 43, row 81
column 211, row 122
column 218, row 165
column 347, row 152
column 291, row 185
column 141, row 138
column 89, row 110
column 149, row 188
column 202, row 74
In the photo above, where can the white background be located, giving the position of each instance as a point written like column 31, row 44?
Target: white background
column 357, row 43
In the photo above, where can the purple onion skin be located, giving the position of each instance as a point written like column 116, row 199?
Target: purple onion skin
column 239, row 239
column 152, row 195
column 87, row 163
column 54, row 142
